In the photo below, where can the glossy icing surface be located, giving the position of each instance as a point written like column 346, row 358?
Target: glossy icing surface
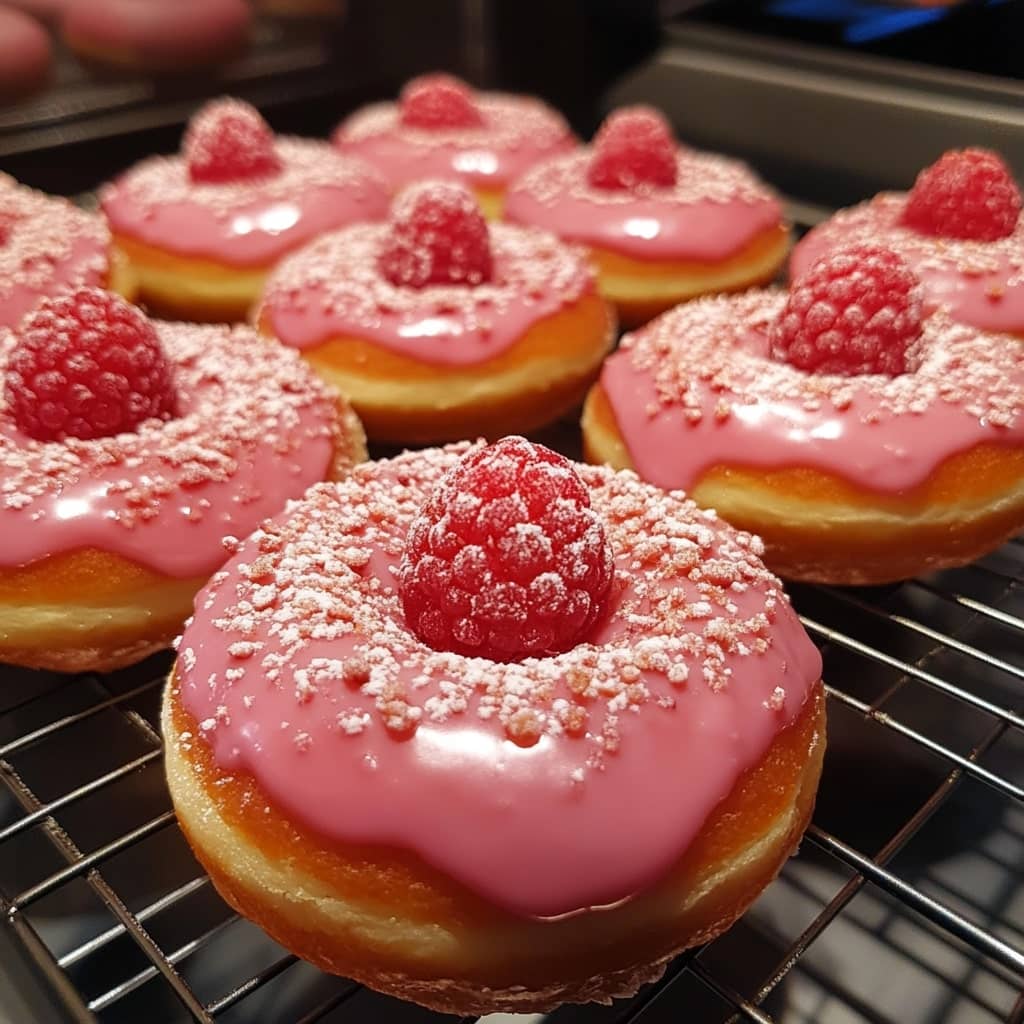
column 46, row 246
column 333, row 289
column 517, row 132
column 717, row 207
column 697, row 388
column 246, row 223
column 254, row 428
column 979, row 283
column 361, row 732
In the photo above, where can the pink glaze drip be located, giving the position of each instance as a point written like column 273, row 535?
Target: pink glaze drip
column 333, row 289
column 517, row 132
column 697, row 388
column 247, row 223
column 716, row 208
column 254, row 429
column 979, row 283
column 46, row 246
column 362, row 733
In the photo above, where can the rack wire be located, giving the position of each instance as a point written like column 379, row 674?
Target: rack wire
column 906, row 902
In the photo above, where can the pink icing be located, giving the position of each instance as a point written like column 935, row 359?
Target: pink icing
column 517, row 132
column 246, row 223
column 50, row 246
column 716, row 208
column 254, row 428
column 697, row 388
column 979, row 283
column 333, row 289
column 357, row 729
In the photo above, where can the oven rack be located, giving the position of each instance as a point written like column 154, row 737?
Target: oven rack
column 905, row 904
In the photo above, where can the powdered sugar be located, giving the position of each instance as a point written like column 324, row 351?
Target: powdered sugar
column 254, row 426
column 49, row 245
column 690, row 597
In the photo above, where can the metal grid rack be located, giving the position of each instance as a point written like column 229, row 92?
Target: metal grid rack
column 905, row 904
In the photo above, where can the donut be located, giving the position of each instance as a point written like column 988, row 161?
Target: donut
column 121, row 480
column 910, row 461
column 506, row 798
column 960, row 231
column 438, row 326
column 442, row 129
column 47, row 245
column 201, row 230
column 662, row 223
column 26, row 56
column 157, row 36
column 48, row 11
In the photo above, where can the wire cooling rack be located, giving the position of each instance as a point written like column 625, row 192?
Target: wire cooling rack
column 906, row 903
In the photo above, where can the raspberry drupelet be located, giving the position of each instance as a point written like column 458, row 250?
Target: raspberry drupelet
column 87, row 364
column 507, row 558
column 857, row 310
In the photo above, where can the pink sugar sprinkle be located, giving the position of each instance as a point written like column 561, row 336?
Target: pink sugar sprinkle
column 721, row 345
column 43, row 232
column 234, row 391
column 340, row 270
column 674, row 612
column 306, row 164
column 508, row 122
column 700, row 177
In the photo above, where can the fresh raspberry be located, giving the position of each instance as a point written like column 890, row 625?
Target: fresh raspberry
column 439, row 101
column 228, row 140
column 436, row 235
column 86, row 364
column 8, row 218
column 634, row 148
column 857, row 310
column 506, row 559
column 966, row 193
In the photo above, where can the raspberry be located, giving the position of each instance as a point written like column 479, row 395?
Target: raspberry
column 633, row 149
column 966, row 193
column 228, row 140
column 8, row 218
column 86, row 364
column 506, row 559
column 436, row 235
column 857, row 310
column 439, row 101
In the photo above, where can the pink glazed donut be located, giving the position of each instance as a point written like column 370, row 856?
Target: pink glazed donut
column 157, row 35
column 25, row 55
column 475, row 833
column 48, row 246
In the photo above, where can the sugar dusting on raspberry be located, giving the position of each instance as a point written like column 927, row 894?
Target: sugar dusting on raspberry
column 967, row 194
column 689, row 596
column 857, row 310
column 720, row 347
column 436, row 235
column 507, row 122
column 86, row 364
column 339, row 274
column 880, row 222
column 228, row 140
column 634, row 150
column 236, row 396
column 439, row 102
column 41, row 236
column 306, row 164
column 507, row 558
